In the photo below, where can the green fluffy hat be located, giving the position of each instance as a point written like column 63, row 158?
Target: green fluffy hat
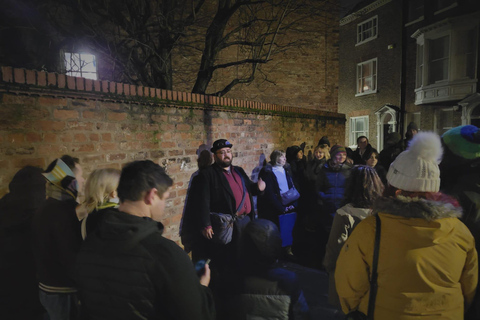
column 463, row 141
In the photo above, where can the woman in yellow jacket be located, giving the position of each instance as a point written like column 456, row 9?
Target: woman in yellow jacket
column 427, row 267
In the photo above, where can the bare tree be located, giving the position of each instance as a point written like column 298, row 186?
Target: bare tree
column 138, row 38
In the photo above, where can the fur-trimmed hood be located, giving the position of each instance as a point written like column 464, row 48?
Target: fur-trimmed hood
column 440, row 206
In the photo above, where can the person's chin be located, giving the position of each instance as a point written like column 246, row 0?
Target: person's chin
column 226, row 164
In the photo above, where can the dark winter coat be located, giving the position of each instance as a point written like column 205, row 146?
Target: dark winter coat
column 362, row 159
column 270, row 203
column 461, row 181
column 126, row 269
column 57, row 239
column 213, row 194
column 389, row 154
column 330, row 186
column 19, row 297
column 274, row 294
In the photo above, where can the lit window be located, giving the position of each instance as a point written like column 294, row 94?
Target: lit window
column 367, row 77
column 367, row 30
column 358, row 128
column 81, row 65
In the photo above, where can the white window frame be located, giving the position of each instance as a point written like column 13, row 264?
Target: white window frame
column 353, row 133
column 361, row 30
column 80, row 65
column 360, row 77
column 438, row 116
column 447, row 57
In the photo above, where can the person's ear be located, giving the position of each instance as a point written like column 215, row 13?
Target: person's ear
column 113, row 194
column 150, row 196
column 398, row 192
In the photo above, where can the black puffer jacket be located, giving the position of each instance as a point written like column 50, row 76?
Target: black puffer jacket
column 127, row 270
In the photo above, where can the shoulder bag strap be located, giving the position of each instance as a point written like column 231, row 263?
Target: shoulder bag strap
column 373, row 280
column 244, row 191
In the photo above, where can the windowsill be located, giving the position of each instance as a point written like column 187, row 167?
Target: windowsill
column 365, row 41
column 414, row 21
column 445, row 91
column 365, row 93
column 453, row 5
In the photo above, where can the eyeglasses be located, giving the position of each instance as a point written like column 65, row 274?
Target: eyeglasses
column 224, row 152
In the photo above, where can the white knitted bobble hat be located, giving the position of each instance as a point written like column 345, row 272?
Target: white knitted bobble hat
column 416, row 169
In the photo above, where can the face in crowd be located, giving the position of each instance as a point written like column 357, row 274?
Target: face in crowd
column 223, row 157
column 281, row 160
column 340, row 157
column 78, row 172
column 362, row 143
column 319, row 154
column 373, row 160
column 300, row 155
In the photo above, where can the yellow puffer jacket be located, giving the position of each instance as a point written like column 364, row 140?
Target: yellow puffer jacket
column 427, row 268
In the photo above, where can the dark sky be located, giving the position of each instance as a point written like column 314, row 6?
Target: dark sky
column 347, row 5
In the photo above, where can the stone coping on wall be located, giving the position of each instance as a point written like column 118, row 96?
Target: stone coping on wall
column 19, row 80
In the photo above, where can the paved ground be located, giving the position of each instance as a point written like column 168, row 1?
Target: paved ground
column 315, row 287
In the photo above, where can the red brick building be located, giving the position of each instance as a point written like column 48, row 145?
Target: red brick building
column 403, row 61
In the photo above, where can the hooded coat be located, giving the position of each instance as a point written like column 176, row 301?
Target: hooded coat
column 345, row 220
column 264, row 289
column 126, row 269
column 427, row 265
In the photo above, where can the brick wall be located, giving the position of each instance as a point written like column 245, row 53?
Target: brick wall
column 107, row 124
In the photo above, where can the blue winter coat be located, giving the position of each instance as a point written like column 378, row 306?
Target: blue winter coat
column 330, row 186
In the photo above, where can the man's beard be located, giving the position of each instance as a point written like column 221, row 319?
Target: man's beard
column 224, row 163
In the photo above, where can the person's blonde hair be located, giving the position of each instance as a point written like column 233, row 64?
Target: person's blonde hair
column 325, row 149
column 100, row 184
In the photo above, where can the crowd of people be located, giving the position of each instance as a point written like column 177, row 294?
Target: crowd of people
column 396, row 231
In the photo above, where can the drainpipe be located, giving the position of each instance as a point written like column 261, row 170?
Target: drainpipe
column 403, row 69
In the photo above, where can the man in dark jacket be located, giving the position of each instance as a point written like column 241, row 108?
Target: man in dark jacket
column 57, row 238
column 220, row 190
column 126, row 269
column 363, row 151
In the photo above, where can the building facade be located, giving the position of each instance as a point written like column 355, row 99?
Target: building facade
column 411, row 60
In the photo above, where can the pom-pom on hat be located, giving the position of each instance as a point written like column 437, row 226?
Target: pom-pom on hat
column 416, row 169
column 337, row 149
column 463, row 141
column 219, row 144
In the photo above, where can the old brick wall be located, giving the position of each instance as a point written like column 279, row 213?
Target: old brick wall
column 302, row 76
column 107, row 124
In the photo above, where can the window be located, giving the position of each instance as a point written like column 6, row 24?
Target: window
column 358, row 128
column 444, row 120
column 447, row 59
column 438, row 61
column 367, row 30
column 419, row 80
column 465, row 62
column 81, row 65
column 367, row 77
column 415, row 10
